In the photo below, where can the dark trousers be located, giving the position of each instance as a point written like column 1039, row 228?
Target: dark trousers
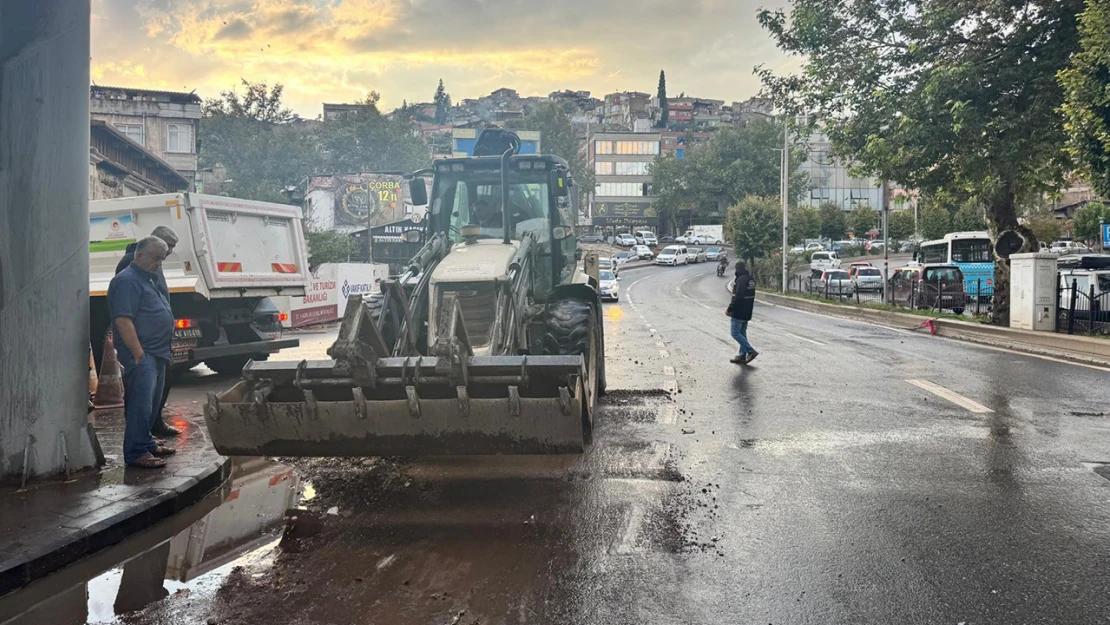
column 165, row 395
column 142, row 386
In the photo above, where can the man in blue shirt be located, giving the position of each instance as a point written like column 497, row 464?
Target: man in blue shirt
column 143, row 323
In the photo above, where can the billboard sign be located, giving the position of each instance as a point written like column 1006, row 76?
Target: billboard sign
column 627, row 214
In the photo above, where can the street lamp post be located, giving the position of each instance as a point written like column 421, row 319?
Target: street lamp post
column 887, row 295
column 785, row 193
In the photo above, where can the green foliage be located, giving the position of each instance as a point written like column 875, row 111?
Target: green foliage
column 1086, row 84
column 900, row 224
column 805, row 223
column 934, row 221
column 945, row 97
column 755, row 227
column 1085, row 226
column 1045, row 226
column 442, row 100
column 861, row 219
column 834, row 222
column 661, row 95
column 969, row 217
column 733, row 164
column 328, row 246
column 266, row 149
column 558, row 137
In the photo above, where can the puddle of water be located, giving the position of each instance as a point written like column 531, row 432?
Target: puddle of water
column 243, row 530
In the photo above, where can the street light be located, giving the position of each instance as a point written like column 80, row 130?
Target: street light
column 784, row 192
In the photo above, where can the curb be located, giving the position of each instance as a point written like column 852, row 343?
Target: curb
column 1082, row 349
column 99, row 530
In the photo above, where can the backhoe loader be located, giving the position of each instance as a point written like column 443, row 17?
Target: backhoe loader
column 489, row 342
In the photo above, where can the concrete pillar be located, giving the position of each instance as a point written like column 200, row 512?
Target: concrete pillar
column 44, row 258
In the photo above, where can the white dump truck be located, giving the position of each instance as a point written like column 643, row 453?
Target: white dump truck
column 233, row 257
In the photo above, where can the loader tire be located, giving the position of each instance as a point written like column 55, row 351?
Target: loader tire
column 571, row 330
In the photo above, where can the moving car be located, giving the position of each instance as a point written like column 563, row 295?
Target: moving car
column 605, row 263
column 824, row 260
column 591, row 238
column 856, row 266
column 625, row 240
column 867, row 279
column 623, row 257
column 696, row 254
column 830, row 282
column 667, row 239
column 646, row 237
column 712, row 253
column 939, row 286
column 608, row 285
column 672, row 255
column 643, row 252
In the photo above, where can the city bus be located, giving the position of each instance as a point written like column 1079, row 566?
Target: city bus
column 972, row 252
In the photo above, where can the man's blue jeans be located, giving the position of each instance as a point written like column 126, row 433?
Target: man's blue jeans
column 142, row 394
column 740, row 333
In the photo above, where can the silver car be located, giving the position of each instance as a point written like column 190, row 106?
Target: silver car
column 868, row 279
column 831, row 282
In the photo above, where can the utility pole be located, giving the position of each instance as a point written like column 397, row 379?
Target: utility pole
column 784, row 183
column 887, row 295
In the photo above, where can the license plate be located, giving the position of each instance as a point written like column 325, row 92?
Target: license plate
column 187, row 333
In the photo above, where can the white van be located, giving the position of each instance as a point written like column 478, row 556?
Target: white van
column 646, row 237
column 672, row 255
column 821, row 261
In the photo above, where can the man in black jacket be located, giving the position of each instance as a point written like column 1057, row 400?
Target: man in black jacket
column 740, row 309
column 167, row 234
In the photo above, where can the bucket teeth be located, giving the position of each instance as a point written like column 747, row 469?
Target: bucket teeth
column 414, row 401
column 359, row 399
column 464, row 401
column 514, row 401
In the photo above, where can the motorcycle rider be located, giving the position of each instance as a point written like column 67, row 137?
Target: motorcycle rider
column 722, row 264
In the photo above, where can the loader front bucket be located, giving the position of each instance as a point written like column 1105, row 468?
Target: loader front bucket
column 417, row 406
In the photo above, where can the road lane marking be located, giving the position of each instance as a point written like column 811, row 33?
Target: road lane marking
column 952, row 396
column 664, row 353
column 660, row 344
column 668, row 370
column 626, row 544
column 802, row 338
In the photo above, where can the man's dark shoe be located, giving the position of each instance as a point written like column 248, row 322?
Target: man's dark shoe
column 162, row 429
column 750, row 357
column 739, row 360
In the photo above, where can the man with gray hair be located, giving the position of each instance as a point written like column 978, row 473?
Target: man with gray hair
column 143, row 323
column 169, row 236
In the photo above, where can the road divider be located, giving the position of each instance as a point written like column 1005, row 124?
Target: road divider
column 1084, row 349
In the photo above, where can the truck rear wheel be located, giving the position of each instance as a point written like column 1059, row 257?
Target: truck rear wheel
column 571, row 329
column 228, row 365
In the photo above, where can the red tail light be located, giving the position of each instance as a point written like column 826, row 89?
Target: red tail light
column 181, row 324
column 283, row 317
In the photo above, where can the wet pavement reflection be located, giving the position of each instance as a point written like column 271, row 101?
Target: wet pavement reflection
column 244, row 527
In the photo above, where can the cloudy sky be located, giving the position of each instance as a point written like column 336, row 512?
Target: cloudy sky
column 338, row 50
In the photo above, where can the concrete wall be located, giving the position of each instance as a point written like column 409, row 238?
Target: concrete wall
column 154, row 116
column 44, row 259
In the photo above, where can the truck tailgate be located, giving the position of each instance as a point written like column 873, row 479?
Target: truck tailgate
column 244, row 244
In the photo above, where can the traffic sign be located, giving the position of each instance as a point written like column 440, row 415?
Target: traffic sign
column 1105, row 236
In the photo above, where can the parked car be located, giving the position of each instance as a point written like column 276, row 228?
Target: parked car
column 906, row 247
column 833, row 282
column 646, row 237
column 824, row 260
column 1061, row 248
column 855, row 266
column 696, row 254
column 643, row 252
column 1089, row 275
column 713, row 253
column 607, row 282
column 937, row 286
column 605, row 263
column 591, row 238
column 672, row 255
column 667, row 239
column 867, row 279
column 625, row 240
column 814, row 247
column 623, row 257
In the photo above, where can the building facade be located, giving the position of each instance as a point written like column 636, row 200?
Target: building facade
column 830, row 180
column 166, row 123
column 623, row 198
column 625, row 107
column 120, row 167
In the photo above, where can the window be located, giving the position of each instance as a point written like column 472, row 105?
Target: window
column 632, row 169
column 603, row 147
column 133, row 131
column 948, row 274
column 603, row 168
column 937, row 253
column 179, row 138
column 622, row 189
column 648, row 148
column 971, row 251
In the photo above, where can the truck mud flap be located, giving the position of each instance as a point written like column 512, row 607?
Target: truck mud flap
column 413, row 407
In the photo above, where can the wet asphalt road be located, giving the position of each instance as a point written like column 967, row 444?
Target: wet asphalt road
column 819, row 485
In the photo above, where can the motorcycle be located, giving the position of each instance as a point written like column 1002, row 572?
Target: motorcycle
column 721, row 266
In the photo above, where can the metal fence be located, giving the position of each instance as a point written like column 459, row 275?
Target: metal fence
column 1081, row 310
column 936, row 296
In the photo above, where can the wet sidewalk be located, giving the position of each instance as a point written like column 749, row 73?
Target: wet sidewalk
column 54, row 523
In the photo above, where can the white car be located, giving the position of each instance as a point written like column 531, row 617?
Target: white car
column 1061, row 248
column 604, row 263
column 824, row 260
column 607, row 283
column 672, row 255
column 646, row 237
column 625, row 240
column 813, row 247
column 643, row 252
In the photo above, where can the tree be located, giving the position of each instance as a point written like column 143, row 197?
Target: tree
column 861, row 219
column 365, row 140
column 1045, row 226
column 259, row 102
column 328, row 246
column 754, row 226
column 969, row 217
column 442, row 100
column 834, row 221
column 900, row 224
column 558, row 137
column 934, row 221
column 805, row 223
column 1087, row 104
column 955, row 97
column 661, row 95
column 1085, row 226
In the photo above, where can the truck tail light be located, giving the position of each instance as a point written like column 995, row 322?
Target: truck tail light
column 283, row 317
column 182, row 324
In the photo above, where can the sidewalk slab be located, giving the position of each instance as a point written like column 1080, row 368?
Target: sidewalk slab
column 53, row 523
